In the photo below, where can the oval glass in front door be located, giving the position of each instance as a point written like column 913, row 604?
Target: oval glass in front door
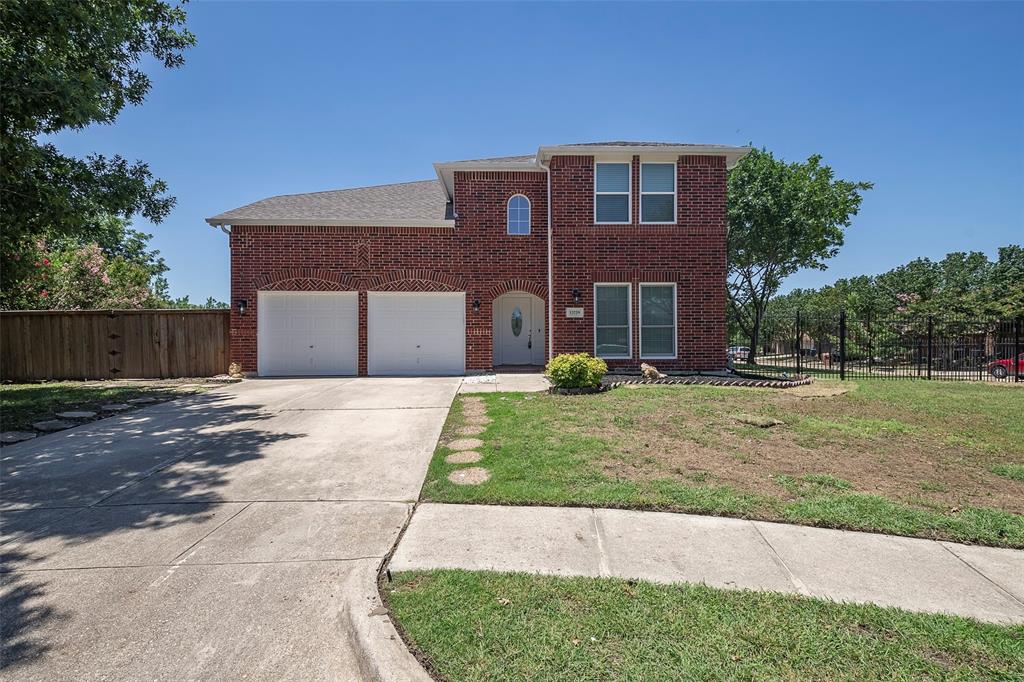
column 517, row 321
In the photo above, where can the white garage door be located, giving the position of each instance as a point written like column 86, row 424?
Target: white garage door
column 307, row 333
column 416, row 333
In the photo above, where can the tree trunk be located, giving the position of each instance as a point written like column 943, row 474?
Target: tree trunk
column 755, row 333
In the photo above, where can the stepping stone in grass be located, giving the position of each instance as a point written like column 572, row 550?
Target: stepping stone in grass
column 464, row 457
column 51, row 425
column 757, row 420
column 115, row 407
column 478, row 420
column 465, row 444
column 470, row 476
column 76, row 414
column 142, row 401
column 8, row 437
column 471, row 430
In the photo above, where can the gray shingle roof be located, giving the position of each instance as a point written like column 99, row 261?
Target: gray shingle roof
column 423, row 203
column 495, row 159
column 400, row 204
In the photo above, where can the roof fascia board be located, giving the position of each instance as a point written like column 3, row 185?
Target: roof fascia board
column 731, row 154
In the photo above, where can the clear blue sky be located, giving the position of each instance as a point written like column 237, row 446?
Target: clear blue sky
column 925, row 100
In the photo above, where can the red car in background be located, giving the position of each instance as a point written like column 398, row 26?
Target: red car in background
column 1000, row 369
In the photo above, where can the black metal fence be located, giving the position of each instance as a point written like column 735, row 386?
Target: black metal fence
column 848, row 347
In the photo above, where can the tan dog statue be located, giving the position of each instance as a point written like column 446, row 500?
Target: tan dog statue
column 651, row 372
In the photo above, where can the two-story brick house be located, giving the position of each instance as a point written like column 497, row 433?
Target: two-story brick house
column 616, row 249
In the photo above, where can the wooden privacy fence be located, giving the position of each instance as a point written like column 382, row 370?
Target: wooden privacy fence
column 107, row 344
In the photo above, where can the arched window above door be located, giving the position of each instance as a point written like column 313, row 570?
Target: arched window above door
column 519, row 215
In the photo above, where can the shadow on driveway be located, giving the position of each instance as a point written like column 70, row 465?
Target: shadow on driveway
column 50, row 489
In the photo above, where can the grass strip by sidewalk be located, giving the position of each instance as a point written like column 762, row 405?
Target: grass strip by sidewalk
column 492, row 626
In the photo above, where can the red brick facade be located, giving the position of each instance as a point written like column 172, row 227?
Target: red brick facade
column 479, row 257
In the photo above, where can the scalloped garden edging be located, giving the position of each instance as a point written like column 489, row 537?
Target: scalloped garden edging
column 706, row 380
column 695, row 380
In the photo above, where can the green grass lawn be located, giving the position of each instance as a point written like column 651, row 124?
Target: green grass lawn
column 23, row 404
column 928, row 459
column 491, row 626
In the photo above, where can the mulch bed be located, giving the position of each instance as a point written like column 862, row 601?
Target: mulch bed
column 710, row 380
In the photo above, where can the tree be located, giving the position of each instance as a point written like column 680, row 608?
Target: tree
column 114, row 270
column 68, row 64
column 782, row 217
column 77, row 277
column 965, row 285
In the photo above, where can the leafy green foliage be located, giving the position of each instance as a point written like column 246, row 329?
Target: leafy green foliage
column 961, row 284
column 210, row 304
column 68, row 65
column 494, row 626
column 116, row 271
column 782, row 217
column 576, row 370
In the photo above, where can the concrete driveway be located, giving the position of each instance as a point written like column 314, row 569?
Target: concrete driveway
column 228, row 535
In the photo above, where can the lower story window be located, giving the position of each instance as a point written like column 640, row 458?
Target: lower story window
column 657, row 320
column 612, row 321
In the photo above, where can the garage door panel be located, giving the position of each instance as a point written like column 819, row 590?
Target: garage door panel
column 417, row 333
column 307, row 333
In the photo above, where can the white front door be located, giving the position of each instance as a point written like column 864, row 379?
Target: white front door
column 517, row 333
column 416, row 333
column 307, row 333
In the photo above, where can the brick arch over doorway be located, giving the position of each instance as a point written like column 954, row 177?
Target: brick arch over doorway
column 511, row 285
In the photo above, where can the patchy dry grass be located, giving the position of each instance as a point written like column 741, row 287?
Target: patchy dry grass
column 930, row 459
column 23, row 404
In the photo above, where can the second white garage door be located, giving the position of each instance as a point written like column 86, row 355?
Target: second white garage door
column 416, row 333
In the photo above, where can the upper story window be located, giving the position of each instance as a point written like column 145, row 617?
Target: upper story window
column 657, row 192
column 519, row 215
column 611, row 193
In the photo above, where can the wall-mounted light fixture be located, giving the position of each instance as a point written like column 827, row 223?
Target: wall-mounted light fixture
column 575, row 295
column 242, row 305
column 476, row 305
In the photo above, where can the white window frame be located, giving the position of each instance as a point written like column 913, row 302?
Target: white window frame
column 675, row 321
column 629, row 320
column 675, row 199
column 529, row 220
column 628, row 193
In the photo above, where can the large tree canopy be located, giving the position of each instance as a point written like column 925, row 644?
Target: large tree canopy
column 782, row 217
column 66, row 64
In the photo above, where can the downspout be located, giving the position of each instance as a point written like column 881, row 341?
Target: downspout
column 551, row 276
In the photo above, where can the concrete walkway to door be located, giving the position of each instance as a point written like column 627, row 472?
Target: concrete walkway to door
column 919, row 575
column 231, row 535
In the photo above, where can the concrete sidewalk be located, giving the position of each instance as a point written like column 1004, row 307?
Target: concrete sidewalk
column 918, row 575
column 526, row 382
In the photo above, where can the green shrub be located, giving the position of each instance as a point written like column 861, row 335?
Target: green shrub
column 576, row 370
